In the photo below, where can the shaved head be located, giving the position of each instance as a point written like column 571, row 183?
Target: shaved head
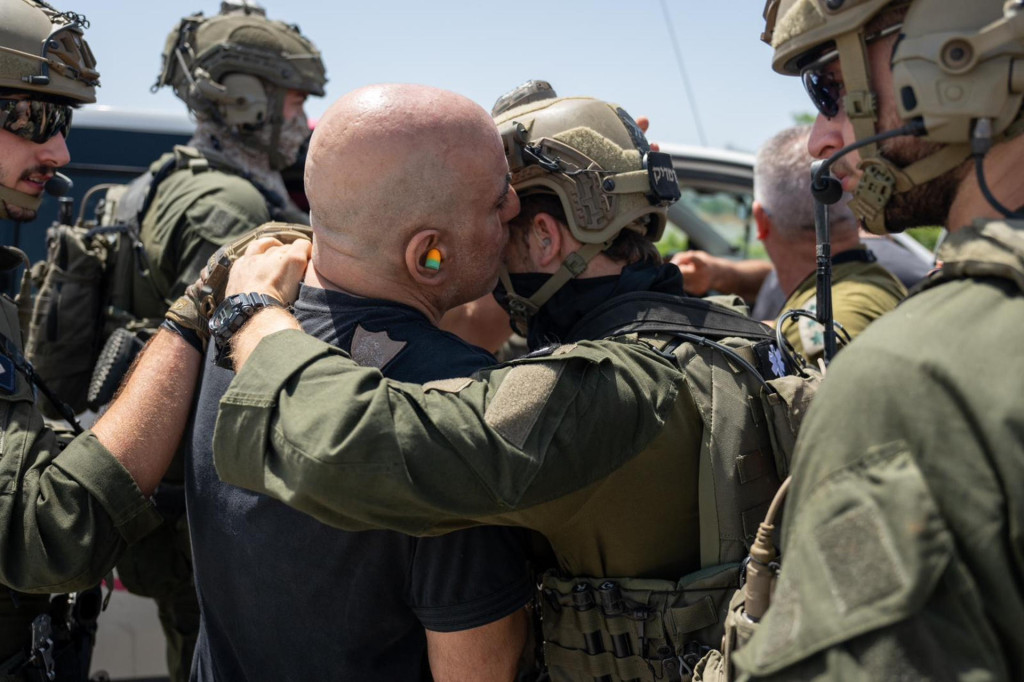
column 387, row 160
column 399, row 175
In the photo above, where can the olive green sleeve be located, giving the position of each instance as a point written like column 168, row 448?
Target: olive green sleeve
column 65, row 516
column 875, row 582
column 306, row 425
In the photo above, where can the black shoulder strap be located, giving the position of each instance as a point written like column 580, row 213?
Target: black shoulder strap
column 854, row 256
column 648, row 311
column 9, row 349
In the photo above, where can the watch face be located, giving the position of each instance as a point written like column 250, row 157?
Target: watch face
column 222, row 316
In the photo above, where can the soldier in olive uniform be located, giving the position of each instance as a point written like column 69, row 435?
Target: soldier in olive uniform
column 244, row 78
column 66, row 513
column 903, row 542
column 633, row 437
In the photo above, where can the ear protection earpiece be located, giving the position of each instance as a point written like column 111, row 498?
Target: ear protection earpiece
column 433, row 261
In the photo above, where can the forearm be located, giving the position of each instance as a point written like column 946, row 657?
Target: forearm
column 144, row 425
column 742, row 278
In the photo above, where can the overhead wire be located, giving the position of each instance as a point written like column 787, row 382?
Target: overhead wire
column 682, row 73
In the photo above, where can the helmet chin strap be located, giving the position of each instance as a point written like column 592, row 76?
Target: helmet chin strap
column 19, row 199
column 881, row 178
column 521, row 309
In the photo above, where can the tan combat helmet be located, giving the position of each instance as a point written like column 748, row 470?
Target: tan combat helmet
column 43, row 54
column 596, row 160
column 236, row 67
column 958, row 76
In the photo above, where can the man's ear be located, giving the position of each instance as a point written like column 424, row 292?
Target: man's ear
column 546, row 240
column 763, row 220
column 425, row 256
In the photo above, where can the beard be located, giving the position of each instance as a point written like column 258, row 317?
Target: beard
column 923, row 205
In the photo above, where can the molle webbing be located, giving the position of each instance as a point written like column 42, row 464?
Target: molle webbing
column 632, row 629
column 654, row 312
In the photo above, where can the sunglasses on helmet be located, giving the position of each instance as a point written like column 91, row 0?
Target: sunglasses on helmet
column 34, row 120
column 825, row 91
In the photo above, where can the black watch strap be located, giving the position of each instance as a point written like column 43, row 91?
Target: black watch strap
column 233, row 312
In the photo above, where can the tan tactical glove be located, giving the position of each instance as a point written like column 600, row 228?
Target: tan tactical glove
column 193, row 309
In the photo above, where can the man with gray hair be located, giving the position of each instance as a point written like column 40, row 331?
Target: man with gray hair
column 862, row 290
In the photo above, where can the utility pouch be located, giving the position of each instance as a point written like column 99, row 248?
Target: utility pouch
column 65, row 330
column 633, row 629
column 785, row 407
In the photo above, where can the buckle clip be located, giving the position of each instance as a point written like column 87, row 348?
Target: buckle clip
column 42, row 645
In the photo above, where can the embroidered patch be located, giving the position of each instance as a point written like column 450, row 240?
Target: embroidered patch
column 8, row 379
column 448, row 385
column 812, row 334
column 520, row 399
column 374, row 349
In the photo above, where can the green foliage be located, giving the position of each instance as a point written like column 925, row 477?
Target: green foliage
column 672, row 240
column 803, row 118
column 928, row 236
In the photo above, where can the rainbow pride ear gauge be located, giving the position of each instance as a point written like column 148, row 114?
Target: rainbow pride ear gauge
column 433, row 260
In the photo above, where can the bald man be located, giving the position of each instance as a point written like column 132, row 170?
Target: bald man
column 409, row 195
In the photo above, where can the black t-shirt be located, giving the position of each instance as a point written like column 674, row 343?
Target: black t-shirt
column 285, row 597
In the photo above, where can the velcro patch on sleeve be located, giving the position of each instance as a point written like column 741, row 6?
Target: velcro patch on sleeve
column 453, row 385
column 520, row 399
column 866, row 547
column 861, row 564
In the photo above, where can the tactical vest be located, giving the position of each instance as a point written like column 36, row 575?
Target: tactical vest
column 83, row 332
column 751, row 406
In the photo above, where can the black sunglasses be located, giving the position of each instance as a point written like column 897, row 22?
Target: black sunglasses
column 825, row 91
column 35, row 120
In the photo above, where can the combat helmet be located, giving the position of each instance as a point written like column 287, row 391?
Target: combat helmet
column 43, row 54
column 235, row 68
column 593, row 156
column 957, row 70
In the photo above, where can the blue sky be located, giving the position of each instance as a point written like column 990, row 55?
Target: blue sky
column 619, row 51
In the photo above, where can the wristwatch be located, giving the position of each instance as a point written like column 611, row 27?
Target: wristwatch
column 233, row 312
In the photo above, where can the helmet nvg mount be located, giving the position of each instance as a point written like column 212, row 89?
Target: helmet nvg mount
column 43, row 54
column 591, row 155
column 957, row 70
column 235, row 68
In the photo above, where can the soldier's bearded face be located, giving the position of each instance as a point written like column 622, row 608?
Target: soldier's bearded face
column 926, row 204
column 26, row 166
